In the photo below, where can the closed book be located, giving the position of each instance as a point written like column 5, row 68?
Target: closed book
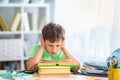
column 15, row 22
column 53, row 70
column 3, row 24
column 26, row 25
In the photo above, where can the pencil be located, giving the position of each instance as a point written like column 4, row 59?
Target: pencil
column 90, row 78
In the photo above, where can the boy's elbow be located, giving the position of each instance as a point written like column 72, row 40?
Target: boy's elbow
column 78, row 67
column 29, row 66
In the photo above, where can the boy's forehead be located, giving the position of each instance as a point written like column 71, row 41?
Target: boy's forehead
column 57, row 41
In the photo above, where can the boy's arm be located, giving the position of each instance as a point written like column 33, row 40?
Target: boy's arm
column 32, row 62
column 69, row 56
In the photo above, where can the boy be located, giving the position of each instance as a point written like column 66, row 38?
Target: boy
column 52, row 47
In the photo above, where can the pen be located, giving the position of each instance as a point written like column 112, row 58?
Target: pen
column 114, row 63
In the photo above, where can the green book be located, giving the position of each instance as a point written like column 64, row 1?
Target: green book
column 67, row 63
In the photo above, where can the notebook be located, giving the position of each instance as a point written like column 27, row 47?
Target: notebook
column 14, row 76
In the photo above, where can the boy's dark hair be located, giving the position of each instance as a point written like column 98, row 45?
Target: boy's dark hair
column 53, row 32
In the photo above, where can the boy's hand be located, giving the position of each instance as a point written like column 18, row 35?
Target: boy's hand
column 42, row 42
column 63, row 44
column 31, row 63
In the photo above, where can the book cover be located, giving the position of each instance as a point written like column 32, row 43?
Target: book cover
column 54, row 70
column 26, row 25
column 15, row 22
column 30, row 20
column 65, row 63
column 3, row 24
column 0, row 28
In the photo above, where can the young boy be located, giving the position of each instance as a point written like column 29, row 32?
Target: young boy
column 52, row 47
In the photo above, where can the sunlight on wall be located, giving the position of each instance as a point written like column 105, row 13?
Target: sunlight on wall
column 75, row 13
column 88, row 25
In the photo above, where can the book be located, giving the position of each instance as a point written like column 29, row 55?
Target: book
column 95, row 68
column 44, row 70
column 30, row 20
column 93, row 72
column 96, row 64
column 89, row 67
column 14, row 75
column 0, row 27
column 15, row 22
column 3, row 24
column 26, row 25
column 67, row 65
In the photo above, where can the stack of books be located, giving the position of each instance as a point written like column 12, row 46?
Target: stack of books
column 61, row 67
column 95, row 65
column 94, row 68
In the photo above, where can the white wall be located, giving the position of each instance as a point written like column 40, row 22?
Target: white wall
column 89, row 27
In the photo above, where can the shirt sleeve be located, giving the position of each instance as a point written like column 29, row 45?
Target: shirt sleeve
column 34, row 49
column 63, row 56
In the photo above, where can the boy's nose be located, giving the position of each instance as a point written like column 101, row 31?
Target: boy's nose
column 54, row 50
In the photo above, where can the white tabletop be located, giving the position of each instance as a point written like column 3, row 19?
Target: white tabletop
column 54, row 77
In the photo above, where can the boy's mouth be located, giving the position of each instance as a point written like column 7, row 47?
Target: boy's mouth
column 52, row 52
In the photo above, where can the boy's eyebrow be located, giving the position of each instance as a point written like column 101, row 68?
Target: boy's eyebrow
column 55, row 45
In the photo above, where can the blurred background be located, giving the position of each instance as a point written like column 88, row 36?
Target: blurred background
column 92, row 28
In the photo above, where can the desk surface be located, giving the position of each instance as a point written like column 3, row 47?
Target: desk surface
column 59, row 77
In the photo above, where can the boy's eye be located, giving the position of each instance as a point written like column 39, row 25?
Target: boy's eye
column 57, row 45
column 50, row 45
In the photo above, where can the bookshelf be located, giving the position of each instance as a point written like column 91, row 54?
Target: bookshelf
column 15, row 44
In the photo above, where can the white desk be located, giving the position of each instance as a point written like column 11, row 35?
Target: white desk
column 56, row 77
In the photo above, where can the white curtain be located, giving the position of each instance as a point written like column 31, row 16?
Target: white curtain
column 92, row 27
column 115, row 33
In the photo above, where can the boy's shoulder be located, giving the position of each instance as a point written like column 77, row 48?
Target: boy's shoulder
column 36, row 46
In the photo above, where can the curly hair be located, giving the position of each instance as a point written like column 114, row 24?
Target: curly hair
column 53, row 32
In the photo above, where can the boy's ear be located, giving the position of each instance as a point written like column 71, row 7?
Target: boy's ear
column 43, row 38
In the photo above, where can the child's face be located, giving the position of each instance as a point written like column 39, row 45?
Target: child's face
column 53, row 48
